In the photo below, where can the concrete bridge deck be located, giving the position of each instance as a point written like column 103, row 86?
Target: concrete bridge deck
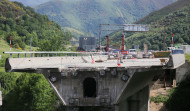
column 91, row 79
column 61, row 63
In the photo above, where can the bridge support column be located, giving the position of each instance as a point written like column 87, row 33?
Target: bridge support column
column 72, row 109
column 137, row 102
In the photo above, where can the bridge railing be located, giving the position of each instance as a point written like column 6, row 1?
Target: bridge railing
column 52, row 54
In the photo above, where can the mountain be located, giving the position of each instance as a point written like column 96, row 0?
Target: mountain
column 31, row 3
column 86, row 15
column 174, row 18
column 155, row 15
column 23, row 24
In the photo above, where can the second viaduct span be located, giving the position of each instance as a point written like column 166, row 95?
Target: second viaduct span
column 92, row 79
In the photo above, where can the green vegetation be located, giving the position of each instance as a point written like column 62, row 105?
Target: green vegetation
column 176, row 22
column 159, row 99
column 179, row 99
column 75, row 32
column 86, row 15
column 187, row 57
column 162, row 98
column 27, row 91
column 20, row 90
column 23, row 24
column 31, row 3
column 4, row 47
column 156, row 15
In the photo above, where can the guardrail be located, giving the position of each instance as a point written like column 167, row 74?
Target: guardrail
column 52, row 54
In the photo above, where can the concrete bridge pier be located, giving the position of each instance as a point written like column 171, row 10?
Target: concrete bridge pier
column 83, row 85
column 87, row 108
column 137, row 102
column 138, row 90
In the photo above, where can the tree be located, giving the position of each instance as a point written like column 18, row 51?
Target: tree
column 31, row 93
column 15, row 40
column 10, row 15
column 67, row 36
column 54, row 44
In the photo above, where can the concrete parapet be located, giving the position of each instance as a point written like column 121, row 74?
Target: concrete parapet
column 182, row 72
column 176, row 60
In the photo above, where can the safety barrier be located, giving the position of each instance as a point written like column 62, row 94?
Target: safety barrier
column 53, row 54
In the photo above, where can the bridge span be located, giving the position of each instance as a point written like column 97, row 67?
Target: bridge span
column 93, row 79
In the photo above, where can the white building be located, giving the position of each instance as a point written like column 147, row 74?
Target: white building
column 186, row 48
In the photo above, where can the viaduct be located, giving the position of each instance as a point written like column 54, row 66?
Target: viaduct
column 84, row 80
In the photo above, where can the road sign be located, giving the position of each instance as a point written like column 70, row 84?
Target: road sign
column 136, row 28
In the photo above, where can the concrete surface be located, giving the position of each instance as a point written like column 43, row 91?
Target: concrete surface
column 75, row 62
column 182, row 72
column 176, row 61
column 79, row 82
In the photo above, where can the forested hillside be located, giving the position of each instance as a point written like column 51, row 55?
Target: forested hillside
column 156, row 15
column 86, row 15
column 27, row 91
column 23, row 23
column 176, row 22
column 31, row 3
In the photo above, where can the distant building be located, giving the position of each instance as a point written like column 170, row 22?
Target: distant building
column 186, row 48
column 87, row 43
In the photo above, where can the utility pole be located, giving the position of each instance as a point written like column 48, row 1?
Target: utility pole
column 107, row 48
column 123, row 44
column 172, row 40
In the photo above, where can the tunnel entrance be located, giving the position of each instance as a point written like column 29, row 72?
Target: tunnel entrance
column 89, row 87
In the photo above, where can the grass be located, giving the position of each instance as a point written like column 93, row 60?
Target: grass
column 4, row 47
column 165, row 98
column 2, row 69
column 162, row 98
column 179, row 99
column 187, row 57
column 158, row 99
